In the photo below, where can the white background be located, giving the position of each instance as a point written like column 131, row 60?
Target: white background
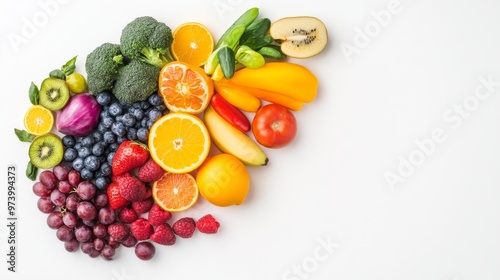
column 441, row 223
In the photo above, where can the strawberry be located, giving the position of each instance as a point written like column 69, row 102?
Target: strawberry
column 143, row 206
column 115, row 199
column 163, row 235
column 207, row 224
column 184, row 227
column 129, row 155
column 128, row 215
column 150, row 172
column 158, row 216
column 141, row 229
column 131, row 188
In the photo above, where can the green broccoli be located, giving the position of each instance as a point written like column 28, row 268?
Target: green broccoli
column 136, row 81
column 147, row 40
column 102, row 67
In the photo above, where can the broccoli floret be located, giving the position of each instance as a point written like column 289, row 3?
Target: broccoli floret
column 147, row 40
column 102, row 67
column 136, row 81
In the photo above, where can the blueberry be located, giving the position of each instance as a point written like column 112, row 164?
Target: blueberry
column 101, row 182
column 103, row 98
column 142, row 134
column 155, row 100
column 119, row 118
column 113, row 146
column 145, row 105
column 107, row 122
column 115, row 109
column 104, row 114
column 128, row 120
column 86, row 174
column 88, row 141
column 118, row 129
column 102, row 158
column 78, row 164
column 124, row 104
column 132, row 133
column 84, row 152
column 144, row 122
column 69, row 141
column 138, row 113
column 78, row 145
column 101, row 128
column 150, row 123
column 98, row 148
column 162, row 108
column 92, row 163
column 154, row 114
column 105, row 169
column 97, row 136
column 136, row 105
column 110, row 158
column 70, row 154
column 109, row 137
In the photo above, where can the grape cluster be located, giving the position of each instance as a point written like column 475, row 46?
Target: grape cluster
column 78, row 211
column 92, row 155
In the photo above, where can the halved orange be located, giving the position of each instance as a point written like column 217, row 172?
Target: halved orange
column 38, row 120
column 179, row 142
column 175, row 192
column 185, row 88
column 193, row 43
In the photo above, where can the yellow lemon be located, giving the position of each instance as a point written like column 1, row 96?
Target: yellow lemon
column 223, row 180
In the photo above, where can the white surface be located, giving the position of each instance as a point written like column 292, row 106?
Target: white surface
column 441, row 223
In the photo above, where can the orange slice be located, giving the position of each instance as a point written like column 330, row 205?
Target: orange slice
column 38, row 120
column 193, row 43
column 175, row 192
column 179, row 142
column 185, row 88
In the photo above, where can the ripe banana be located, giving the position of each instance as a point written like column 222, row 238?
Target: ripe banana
column 230, row 140
column 237, row 97
column 293, row 80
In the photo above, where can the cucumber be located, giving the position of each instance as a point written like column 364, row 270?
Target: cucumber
column 226, row 61
column 245, row 19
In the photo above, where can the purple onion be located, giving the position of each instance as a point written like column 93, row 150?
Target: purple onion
column 80, row 115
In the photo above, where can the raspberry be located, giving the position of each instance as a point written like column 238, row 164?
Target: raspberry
column 118, row 231
column 158, row 216
column 141, row 229
column 150, row 172
column 143, row 206
column 128, row 215
column 163, row 235
column 131, row 188
column 207, row 224
column 184, row 227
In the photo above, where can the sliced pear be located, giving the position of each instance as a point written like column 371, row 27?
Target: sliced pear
column 301, row 36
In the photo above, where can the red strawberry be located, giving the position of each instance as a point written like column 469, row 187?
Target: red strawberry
column 141, row 229
column 128, row 215
column 118, row 231
column 131, row 188
column 143, row 206
column 207, row 224
column 158, row 216
column 129, row 155
column 150, row 172
column 184, row 227
column 163, row 235
column 115, row 199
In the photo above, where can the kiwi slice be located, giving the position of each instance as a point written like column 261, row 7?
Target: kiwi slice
column 46, row 151
column 54, row 94
column 301, row 36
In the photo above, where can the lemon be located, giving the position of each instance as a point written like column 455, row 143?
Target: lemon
column 223, row 180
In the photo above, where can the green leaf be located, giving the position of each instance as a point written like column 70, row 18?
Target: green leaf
column 57, row 74
column 69, row 67
column 31, row 171
column 34, row 94
column 23, row 135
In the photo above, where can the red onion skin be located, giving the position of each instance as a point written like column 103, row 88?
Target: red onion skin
column 80, row 116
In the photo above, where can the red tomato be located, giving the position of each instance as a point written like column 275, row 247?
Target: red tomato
column 274, row 126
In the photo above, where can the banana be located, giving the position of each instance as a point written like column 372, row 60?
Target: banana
column 230, row 140
column 238, row 97
column 293, row 80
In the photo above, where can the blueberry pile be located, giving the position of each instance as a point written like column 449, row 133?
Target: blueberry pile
column 92, row 155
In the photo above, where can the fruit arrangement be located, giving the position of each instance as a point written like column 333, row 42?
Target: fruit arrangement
column 160, row 120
